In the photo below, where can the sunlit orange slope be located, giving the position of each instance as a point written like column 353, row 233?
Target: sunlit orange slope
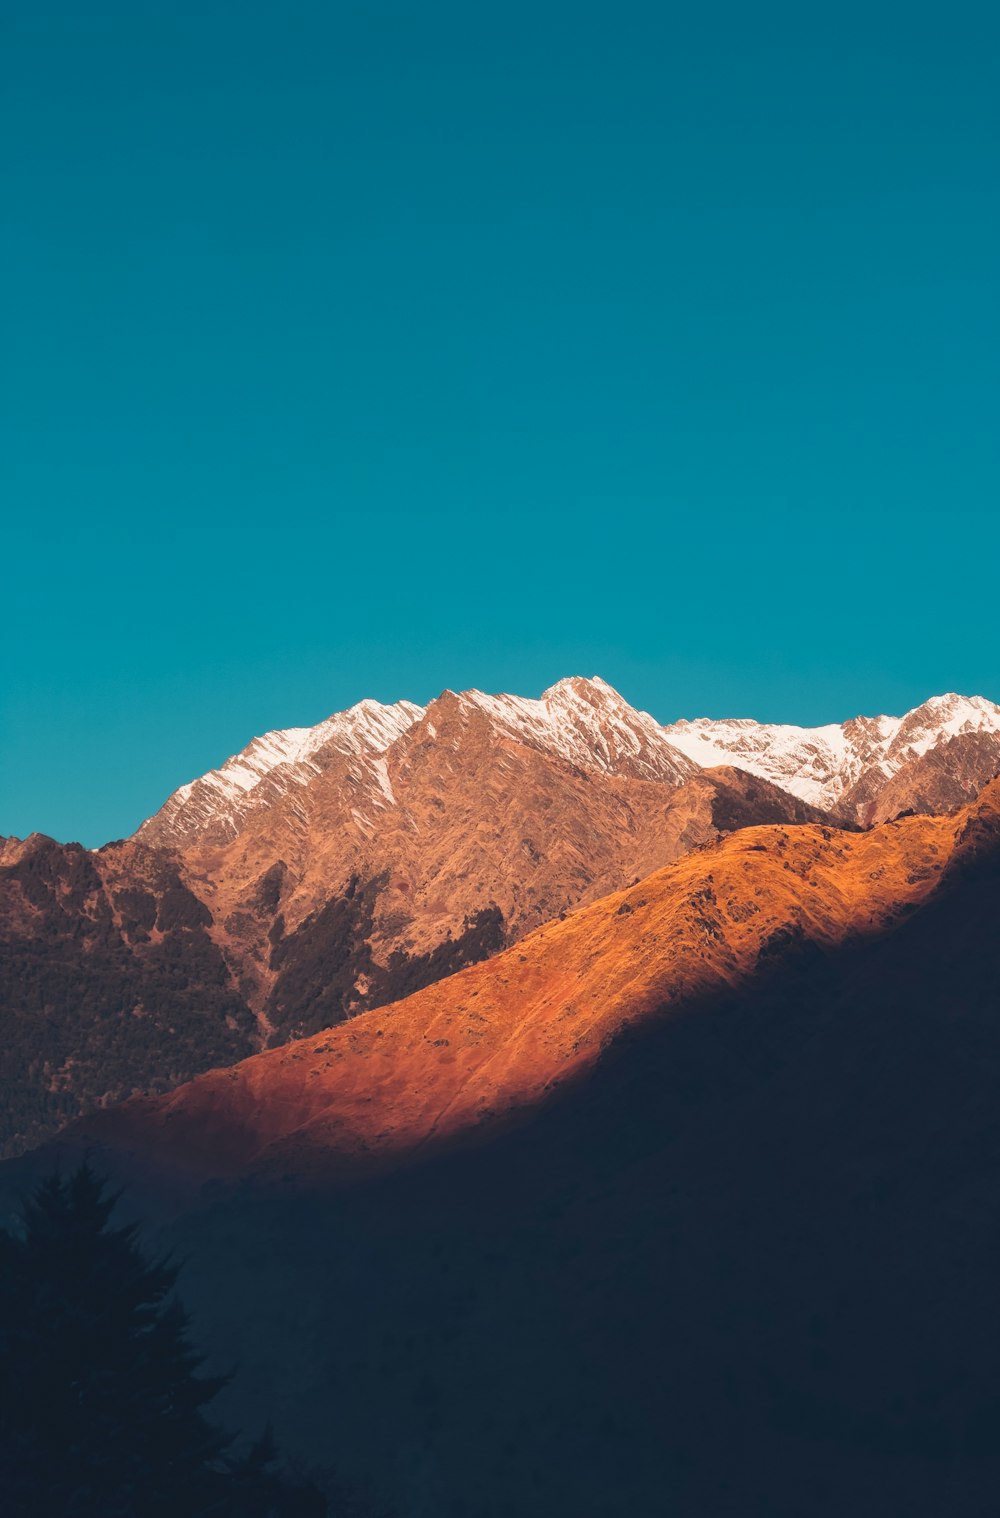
column 499, row 1035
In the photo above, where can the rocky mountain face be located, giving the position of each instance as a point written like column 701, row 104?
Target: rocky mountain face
column 856, row 769
column 328, row 870
column 339, row 868
column 214, row 808
column 348, row 864
column 485, row 817
column 939, row 779
column 685, row 1203
column 863, row 768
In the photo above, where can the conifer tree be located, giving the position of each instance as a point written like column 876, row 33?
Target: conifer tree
column 102, row 1399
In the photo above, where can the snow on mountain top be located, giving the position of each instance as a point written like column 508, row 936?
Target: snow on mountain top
column 945, row 717
column 589, row 724
column 366, row 727
column 224, row 795
column 820, row 764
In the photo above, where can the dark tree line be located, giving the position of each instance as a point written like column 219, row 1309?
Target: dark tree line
column 320, row 962
column 103, row 1403
column 93, row 1005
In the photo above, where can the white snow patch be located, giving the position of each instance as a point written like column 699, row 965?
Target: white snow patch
column 819, row 764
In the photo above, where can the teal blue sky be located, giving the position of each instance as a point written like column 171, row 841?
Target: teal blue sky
column 368, row 349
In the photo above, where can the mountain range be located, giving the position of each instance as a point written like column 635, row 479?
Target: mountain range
column 326, row 871
column 683, row 1202
column 498, row 1037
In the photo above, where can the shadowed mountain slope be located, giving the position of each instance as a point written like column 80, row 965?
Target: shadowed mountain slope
column 742, row 1265
column 498, row 1036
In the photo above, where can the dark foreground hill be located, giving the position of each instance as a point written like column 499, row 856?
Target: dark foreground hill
column 743, row 1264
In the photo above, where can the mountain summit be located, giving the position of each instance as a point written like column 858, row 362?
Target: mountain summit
column 848, row 767
column 584, row 722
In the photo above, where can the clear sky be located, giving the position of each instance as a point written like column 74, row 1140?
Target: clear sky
column 365, row 349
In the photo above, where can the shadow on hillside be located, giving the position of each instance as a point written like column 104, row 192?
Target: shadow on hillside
column 747, row 1268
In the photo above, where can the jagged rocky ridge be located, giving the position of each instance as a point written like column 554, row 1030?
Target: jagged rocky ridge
column 841, row 767
column 934, row 758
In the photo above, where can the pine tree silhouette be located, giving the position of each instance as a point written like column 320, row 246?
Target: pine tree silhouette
column 101, row 1400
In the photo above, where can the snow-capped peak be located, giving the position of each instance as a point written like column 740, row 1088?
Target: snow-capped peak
column 821, row 764
column 587, row 723
column 286, row 757
column 943, row 717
